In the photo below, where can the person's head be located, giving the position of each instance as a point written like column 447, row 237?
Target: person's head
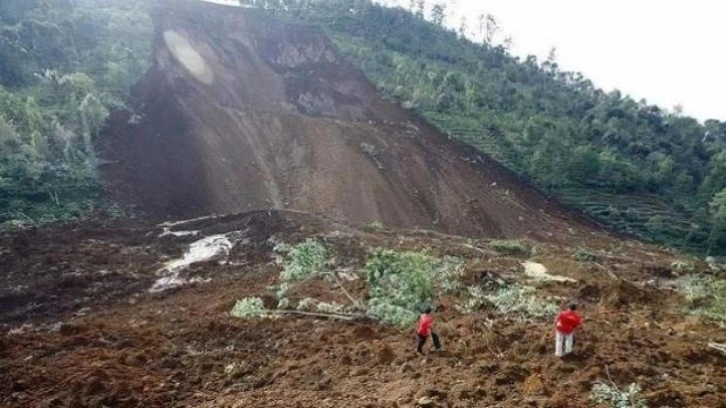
column 572, row 306
column 427, row 310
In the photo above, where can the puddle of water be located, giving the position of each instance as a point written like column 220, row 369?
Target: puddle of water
column 202, row 250
column 538, row 271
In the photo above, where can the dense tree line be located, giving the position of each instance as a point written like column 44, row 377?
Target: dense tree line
column 63, row 66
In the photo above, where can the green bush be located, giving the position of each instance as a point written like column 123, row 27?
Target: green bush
column 303, row 260
column 402, row 282
column 249, row 308
column 509, row 247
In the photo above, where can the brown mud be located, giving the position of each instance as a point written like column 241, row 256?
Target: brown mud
column 79, row 328
column 256, row 113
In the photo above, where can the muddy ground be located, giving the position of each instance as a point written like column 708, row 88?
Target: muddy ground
column 79, row 327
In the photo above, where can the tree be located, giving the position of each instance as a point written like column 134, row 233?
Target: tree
column 438, row 14
column 463, row 27
column 717, row 207
column 492, row 28
column 420, row 10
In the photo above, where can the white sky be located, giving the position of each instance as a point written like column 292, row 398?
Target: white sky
column 669, row 52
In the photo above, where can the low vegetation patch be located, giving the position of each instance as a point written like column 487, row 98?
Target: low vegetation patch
column 248, row 308
column 706, row 296
column 510, row 247
column 375, row 226
column 522, row 301
column 612, row 396
column 682, row 266
column 582, row 255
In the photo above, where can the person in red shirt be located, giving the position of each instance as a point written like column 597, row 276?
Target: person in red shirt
column 424, row 329
column 565, row 325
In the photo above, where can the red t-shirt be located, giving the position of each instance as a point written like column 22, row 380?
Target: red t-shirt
column 424, row 325
column 567, row 321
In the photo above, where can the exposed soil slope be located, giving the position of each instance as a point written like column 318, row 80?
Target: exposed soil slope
column 241, row 112
column 79, row 327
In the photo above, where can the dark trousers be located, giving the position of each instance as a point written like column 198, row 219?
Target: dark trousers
column 422, row 341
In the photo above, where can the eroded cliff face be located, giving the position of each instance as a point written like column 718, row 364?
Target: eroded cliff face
column 241, row 111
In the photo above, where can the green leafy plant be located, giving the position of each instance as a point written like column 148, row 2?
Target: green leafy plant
column 303, row 260
column 402, row 282
column 602, row 393
column 248, row 308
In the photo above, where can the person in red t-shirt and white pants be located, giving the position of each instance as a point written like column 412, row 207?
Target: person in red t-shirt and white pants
column 565, row 325
column 424, row 329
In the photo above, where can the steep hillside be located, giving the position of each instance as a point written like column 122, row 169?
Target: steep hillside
column 241, row 111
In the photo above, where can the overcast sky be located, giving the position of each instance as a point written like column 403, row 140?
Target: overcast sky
column 668, row 52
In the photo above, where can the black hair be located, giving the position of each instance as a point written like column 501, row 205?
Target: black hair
column 427, row 310
column 572, row 306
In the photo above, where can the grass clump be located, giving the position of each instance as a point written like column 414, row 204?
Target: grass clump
column 510, row 247
column 706, row 296
column 400, row 283
column 613, row 397
column 514, row 299
column 249, row 308
column 303, row 260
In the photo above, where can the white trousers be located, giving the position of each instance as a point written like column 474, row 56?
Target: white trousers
column 563, row 343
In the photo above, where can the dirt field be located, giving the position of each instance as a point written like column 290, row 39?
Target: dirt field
column 79, row 327
column 243, row 112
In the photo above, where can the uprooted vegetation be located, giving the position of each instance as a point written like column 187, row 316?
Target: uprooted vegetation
column 399, row 284
column 705, row 296
column 611, row 396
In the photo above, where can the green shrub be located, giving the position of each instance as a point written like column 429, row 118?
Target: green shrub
column 392, row 314
column 402, row 282
column 303, row 260
column 249, row 308
column 612, row 396
column 521, row 300
column 509, row 247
